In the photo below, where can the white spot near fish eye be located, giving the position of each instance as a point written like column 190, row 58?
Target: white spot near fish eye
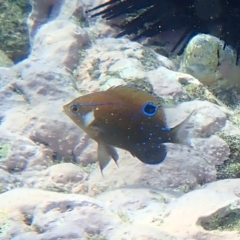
column 96, row 108
column 88, row 118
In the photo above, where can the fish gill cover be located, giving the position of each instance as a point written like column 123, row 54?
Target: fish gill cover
column 149, row 18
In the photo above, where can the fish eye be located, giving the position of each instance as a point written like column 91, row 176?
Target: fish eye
column 74, row 108
column 150, row 109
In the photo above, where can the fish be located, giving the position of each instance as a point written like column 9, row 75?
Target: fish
column 127, row 118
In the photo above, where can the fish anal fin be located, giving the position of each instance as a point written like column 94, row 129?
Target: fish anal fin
column 105, row 153
column 153, row 156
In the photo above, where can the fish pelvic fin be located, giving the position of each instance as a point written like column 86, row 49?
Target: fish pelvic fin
column 105, row 153
column 180, row 134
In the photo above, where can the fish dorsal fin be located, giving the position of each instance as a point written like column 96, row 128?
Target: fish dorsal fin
column 105, row 153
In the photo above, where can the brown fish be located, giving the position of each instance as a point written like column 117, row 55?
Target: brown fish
column 127, row 118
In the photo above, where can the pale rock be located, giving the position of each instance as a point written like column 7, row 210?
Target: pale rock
column 133, row 69
column 113, row 62
column 63, row 53
column 138, row 205
column 185, row 215
column 39, row 15
column 7, row 75
column 143, row 232
column 7, row 181
column 227, row 185
column 61, row 177
column 83, row 152
column 44, row 11
column 208, row 118
column 65, row 173
column 206, row 58
column 24, row 155
column 184, row 168
column 165, row 82
column 46, row 215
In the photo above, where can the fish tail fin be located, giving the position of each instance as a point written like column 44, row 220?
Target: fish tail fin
column 180, row 134
column 105, row 153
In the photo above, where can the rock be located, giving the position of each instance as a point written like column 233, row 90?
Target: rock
column 47, row 215
column 206, row 58
column 168, row 85
column 8, row 181
column 142, row 213
column 44, row 11
column 200, row 211
column 72, row 38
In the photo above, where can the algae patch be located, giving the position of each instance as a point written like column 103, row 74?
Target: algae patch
column 5, row 150
column 14, row 33
column 231, row 167
column 5, row 224
column 229, row 222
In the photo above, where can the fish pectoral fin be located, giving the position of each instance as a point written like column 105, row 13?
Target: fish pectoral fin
column 105, row 153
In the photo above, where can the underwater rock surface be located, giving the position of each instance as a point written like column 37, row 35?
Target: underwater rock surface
column 51, row 186
column 212, row 63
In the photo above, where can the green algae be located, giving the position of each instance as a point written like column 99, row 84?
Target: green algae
column 195, row 91
column 14, row 40
column 95, row 237
column 5, row 150
column 149, row 59
column 231, row 167
column 79, row 21
column 158, row 197
column 5, row 61
column 6, row 226
column 228, row 222
column 124, row 215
